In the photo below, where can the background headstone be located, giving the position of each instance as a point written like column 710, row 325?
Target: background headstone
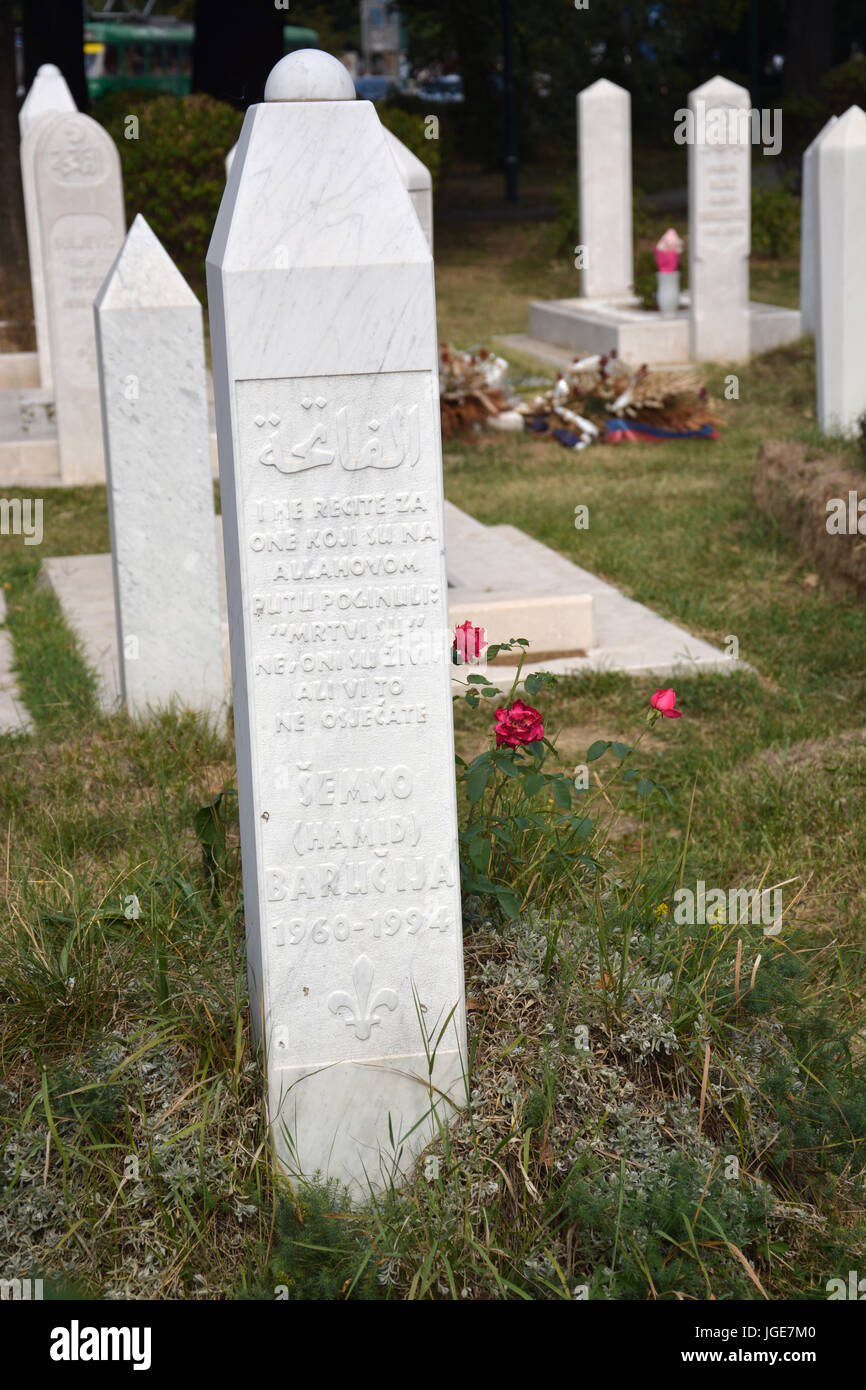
column 48, row 96
column 719, row 222
column 80, row 201
column 417, row 180
column 48, row 92
column 323, row 329
column 809, row 234
column 840, row 340
column 604, row 190
column 150, row 349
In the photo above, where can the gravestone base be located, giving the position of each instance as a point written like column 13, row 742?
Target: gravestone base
column 323, row 1118
column 578, row 623
column 14, row 718
column 19, row 370
column 29, row 451
column 583, row 326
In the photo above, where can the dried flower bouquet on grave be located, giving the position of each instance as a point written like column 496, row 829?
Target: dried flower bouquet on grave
column 598, row 399
column 601, row 399
column 471, row 389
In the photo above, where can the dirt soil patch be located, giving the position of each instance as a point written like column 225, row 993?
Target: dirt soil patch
column 797, row 493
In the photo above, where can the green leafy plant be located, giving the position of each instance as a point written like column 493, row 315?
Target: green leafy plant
column 775, row 222
column 174, row 172
column 211, row 824
column 527, row 831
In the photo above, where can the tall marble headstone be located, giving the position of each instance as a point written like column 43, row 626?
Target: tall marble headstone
column 48, row 96
column 150, row 350
column 323, row 327
column 413, row 171
column 81, row 224
column 809, row 233
column 840, row 340
column 719, row 221
column 604, row 191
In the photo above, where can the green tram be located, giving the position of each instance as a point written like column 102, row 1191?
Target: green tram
column 154, row 57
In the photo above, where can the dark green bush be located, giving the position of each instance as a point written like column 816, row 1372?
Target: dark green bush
column 174, row 172
column 410, row 129
column 775, row 222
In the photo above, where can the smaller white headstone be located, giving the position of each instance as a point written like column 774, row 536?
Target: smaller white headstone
column 160, row 495
column 80, row 201
column 719, row 221
column 49, row 96
column 604, row 189
column 840, row 340
column 48, row 93
column 417, row 180
column 809, row 234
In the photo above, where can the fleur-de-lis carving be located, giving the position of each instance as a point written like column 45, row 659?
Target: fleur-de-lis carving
column 362, row 1011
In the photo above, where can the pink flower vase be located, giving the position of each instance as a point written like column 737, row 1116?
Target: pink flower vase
column 668, row 282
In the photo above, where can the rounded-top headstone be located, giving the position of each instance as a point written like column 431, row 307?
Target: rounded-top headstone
column 309, row 75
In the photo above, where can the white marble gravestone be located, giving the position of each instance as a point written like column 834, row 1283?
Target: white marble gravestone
column 48, row 92
column 809, row 233
column 48, row 96
column 323, row 329
column 417, row 180
column 150, row 350
column 81, row 224
column 415, row 175
column 719, row 222
column 840, row 340
column 604, row 191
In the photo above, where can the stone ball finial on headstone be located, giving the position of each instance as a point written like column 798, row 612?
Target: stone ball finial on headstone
column 309, row 75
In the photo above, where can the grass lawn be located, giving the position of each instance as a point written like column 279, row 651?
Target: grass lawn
column 657, row 1110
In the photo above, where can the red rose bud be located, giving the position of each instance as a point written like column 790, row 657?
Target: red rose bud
column 518, row 723
column 469, row 641
column 665, row 702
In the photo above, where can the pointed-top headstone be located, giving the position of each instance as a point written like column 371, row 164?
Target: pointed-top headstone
column 48, row 92
column 48, row 96
column 839, row 340
column 323, row 327
column 719, row 220
column 144, row 275
column 809, row 233
column 604, row 191
column 160, row 494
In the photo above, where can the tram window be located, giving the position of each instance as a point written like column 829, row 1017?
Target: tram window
column 111, row 60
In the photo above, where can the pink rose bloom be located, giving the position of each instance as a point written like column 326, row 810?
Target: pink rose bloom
column 665, row 702
column 518, row 723
column 469, row 641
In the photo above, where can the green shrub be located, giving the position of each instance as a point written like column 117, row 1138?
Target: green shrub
column 174, row 172
column 410, row 129
column 775, row 222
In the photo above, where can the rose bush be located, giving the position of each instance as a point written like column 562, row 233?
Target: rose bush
column 527, row 831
